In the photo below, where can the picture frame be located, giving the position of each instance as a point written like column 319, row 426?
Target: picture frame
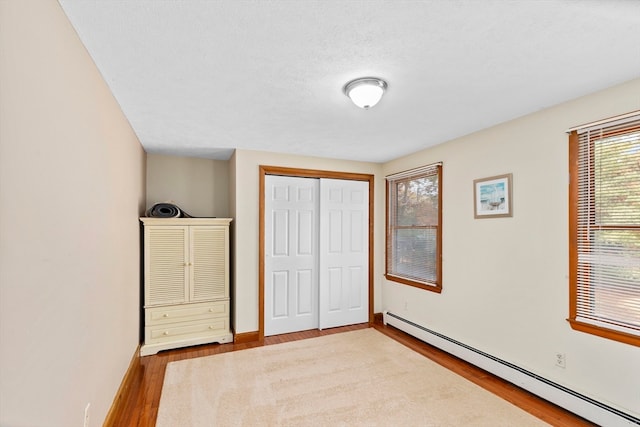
column 492, row 197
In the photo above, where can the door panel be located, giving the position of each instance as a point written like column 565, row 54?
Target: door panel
column 358, row 227
column 280, row 302
column 355, row 296
column 334, row 288
column 305, row 232
column 334, row 230
column 291, row 253
column 306, row 292
column 344, row 257
column 280, row 233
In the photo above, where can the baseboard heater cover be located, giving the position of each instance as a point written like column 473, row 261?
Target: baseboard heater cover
column 560, row 395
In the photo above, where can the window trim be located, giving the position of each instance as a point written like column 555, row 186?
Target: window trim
column 435, row 286
column 590, row 328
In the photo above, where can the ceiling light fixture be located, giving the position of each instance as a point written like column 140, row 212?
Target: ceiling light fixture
column 365, row 92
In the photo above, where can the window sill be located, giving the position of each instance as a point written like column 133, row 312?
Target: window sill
column 605, row 333
column 432, row 287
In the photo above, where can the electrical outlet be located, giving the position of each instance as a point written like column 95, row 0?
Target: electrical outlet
column 86, row 415
column 561, row 360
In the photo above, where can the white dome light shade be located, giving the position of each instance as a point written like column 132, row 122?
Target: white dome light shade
column 365, row 92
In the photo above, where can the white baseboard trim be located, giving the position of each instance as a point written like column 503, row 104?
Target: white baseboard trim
column 564, row 397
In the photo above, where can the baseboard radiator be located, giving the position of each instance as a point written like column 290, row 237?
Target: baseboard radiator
column 564, row 397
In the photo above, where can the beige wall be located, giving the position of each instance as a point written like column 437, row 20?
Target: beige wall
column 198, row 186
column 505, row 285
column 71, row 189
column 245, row 168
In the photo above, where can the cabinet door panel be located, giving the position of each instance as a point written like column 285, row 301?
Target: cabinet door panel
column 166, row 278
column 209, row 259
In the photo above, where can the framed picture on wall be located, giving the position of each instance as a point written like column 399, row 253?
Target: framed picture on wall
column 492, row 197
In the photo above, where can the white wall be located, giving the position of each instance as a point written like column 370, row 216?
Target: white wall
column 71, row 190
column 505, row 280
column 244, row 185
column 200, row 187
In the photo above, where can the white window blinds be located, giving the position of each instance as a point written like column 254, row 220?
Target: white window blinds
column 606, row 288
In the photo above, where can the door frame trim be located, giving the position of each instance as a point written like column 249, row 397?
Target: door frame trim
column 308, row 173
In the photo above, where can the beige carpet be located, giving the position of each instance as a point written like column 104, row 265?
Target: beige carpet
column 358, row 378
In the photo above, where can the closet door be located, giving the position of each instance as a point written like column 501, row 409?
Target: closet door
column 344, row 253
column 291, row 254
column 316, row 253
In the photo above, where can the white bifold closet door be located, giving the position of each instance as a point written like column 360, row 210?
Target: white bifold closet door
column 316, row 253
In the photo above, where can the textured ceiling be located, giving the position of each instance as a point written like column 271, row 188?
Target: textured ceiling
column 201, row 78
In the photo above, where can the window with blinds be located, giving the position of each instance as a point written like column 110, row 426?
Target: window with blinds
column 604, row 205
column 414, row 227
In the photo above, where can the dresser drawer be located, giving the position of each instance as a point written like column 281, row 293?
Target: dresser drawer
column 186, row 330
column 186, row 312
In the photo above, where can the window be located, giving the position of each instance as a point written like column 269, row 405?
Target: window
column 414, row 227
column 604, row 209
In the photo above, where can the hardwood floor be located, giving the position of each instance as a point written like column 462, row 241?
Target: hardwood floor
column 140, row 402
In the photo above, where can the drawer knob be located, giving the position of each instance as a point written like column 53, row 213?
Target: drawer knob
column 166, row 333
column 165, row 315
column 211, row 310
column 210, row 327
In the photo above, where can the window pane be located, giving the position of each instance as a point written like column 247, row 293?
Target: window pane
column 612, row 269
column 617, row 179
column 417, row 201
column 415, row 253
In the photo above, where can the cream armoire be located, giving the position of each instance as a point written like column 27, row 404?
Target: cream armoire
column 186, row 282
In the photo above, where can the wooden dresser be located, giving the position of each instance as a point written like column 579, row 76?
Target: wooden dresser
column 186, row 282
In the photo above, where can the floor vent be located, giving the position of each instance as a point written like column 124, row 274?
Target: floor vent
column 577, row 403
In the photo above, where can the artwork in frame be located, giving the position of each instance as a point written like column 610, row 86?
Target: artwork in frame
column 492, row 197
